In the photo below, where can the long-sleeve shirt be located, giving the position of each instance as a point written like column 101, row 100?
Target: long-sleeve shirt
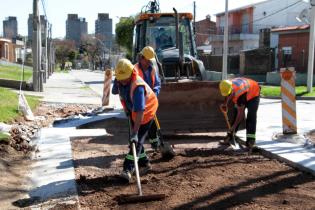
column 147, row 78
column 138, row 102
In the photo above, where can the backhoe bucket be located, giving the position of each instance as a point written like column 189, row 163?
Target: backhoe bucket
column 190, row 106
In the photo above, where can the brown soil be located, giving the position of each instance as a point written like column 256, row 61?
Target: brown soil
column 202, row 176
column 15, row 161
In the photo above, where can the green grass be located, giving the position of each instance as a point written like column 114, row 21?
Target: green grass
column 4, row 137
column 9, row 104
column 14, row 72
column 276, row 91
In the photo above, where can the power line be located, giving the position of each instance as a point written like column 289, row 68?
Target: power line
column 44, row 9
column 276, row 12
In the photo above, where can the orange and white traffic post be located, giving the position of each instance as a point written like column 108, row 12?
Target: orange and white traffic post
column 288, row 100
column 107, row 85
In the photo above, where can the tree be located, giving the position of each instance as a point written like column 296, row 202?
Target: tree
column 94, row 49
column 124, row 33
column 65, row 51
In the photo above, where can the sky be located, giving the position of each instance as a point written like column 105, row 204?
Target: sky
column 57, row 10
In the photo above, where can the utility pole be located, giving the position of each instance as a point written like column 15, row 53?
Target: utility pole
column 194, row 18
column 225, row 40
column 39, row 31
column 46, row 52
column 310, row 65
column 35, row 47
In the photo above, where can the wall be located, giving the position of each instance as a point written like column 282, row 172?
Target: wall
column 258, row 61
column 273, row 78
column 299, row 43
column 214, row 63
column 284, row 18
column 204, row 28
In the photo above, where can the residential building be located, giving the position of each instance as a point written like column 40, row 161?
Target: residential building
column 293, row 44
column 104, row 29
column 76, row 28
column 10, row 27
column 246, row 22
column 7, row 51
column 204, row 29
column 43, row 22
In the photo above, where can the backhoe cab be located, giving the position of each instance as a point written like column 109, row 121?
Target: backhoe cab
column 171, row 35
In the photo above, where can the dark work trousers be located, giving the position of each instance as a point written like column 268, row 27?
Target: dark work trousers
column 143, row 159
column 152, row 131
column 251, row 119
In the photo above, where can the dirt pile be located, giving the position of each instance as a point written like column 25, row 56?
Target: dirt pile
column 23, row 131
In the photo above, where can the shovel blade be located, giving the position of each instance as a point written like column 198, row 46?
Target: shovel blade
column 234, row 144
column 167, row 150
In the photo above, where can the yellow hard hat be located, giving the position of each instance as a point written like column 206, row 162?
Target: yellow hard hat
column 225, row 87
column 123, row 69
column 148, row 53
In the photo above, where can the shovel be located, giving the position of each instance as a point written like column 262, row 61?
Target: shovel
column 232, row 141
column 166, row 150
column 140, row 197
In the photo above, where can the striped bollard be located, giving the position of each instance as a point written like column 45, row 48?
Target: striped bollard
column 288, row 100
column 107, row 85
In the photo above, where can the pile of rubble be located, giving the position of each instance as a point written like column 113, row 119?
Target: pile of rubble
column 22, row 132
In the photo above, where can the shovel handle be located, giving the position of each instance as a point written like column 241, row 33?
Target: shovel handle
column 227, row 120
column 135, row 159
column 157, row 122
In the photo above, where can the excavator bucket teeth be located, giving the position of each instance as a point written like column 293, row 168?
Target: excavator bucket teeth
column 191, row 106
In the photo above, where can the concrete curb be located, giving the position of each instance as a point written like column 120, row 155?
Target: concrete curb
column 297, row 97
column 15, row 84
column 284, row 160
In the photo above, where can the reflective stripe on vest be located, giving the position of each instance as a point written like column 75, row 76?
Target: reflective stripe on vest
column 151, row 102
column 140, row 73
column 244, row 85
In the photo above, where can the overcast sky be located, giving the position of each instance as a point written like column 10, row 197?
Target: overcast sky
column 57, row 10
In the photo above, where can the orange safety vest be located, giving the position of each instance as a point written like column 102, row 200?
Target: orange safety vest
column 244, row 85
column 151, row 102
column 140, row 73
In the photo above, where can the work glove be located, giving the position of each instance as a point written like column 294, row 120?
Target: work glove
column 134, row 138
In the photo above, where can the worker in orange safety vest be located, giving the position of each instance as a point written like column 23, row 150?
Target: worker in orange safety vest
column 244, row 93
column 140, row 104
column 148, row 72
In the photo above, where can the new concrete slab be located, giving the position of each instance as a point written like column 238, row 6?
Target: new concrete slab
column 269, row 124
column 53, row 174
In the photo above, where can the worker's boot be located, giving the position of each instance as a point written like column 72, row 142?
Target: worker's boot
column 155, row 143
column 250, row 144
column 128, row 168
column 144, row 166
column 126, row 175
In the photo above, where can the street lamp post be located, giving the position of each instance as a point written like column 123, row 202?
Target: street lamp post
column 311, row 49
column 225, row 40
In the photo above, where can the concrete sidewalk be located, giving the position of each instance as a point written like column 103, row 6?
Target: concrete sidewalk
column 66, row 88
column 269, row 124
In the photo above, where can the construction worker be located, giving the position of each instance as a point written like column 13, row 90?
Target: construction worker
column 149, row 73
column 140, row 104
column 244, row 93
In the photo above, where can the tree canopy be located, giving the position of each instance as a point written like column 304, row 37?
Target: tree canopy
column 124, row 33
